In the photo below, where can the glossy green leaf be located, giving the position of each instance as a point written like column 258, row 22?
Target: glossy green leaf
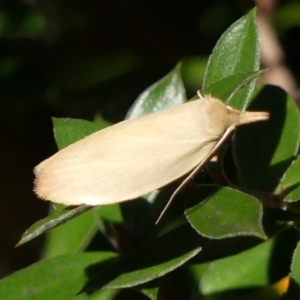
column 255, row 268
column 263, row 151
column 294, row 286
column 167, row 92
column 227, row 88
column 237, row 51
column 224, row 212
column 50, row 222
column 289, row 186
column 151, row 261
column 68, row 131
column 56, row 278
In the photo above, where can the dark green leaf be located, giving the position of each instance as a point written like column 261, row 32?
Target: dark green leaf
column 237, row 51
column 101, row 295
column 50, row 222
column 224, row 212
column 167, row 92
column 250, row 269
column 183, row 283
column 151, row 261
column 269, row 292
column 56, row 278
column 263, row 151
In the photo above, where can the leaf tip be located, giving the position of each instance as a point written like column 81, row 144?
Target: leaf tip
column 18, row 244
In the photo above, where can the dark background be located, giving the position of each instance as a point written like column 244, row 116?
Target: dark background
column 75, row 58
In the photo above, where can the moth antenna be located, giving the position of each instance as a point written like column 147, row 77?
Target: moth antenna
column 227, row 133
column 200, row 94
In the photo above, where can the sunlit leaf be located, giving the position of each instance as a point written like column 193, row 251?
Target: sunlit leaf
column 239, row 41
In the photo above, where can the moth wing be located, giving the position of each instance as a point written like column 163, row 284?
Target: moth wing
column 129, row 159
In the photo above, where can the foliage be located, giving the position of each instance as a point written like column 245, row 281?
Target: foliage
column 235, row 241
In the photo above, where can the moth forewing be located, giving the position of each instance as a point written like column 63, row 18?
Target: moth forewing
column 135, row 157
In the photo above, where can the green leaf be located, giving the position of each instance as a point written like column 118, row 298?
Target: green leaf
column 167, row 92
column 237, row 51
column 110, row 213
column 263, row 151
column 56, row 278
column 63, row 239
column 255, row 268
column 149, row 289
column 151, row 261
column 224, row 212
column 294, row 286
column 76, row 234
column 69, row 131
column 289, row 186
column 101, row 295
column 227, row 88
column 50, row 222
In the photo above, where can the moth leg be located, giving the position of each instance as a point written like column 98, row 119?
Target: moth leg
column 227, row 133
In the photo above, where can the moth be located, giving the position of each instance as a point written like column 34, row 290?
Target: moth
column 134, row 157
